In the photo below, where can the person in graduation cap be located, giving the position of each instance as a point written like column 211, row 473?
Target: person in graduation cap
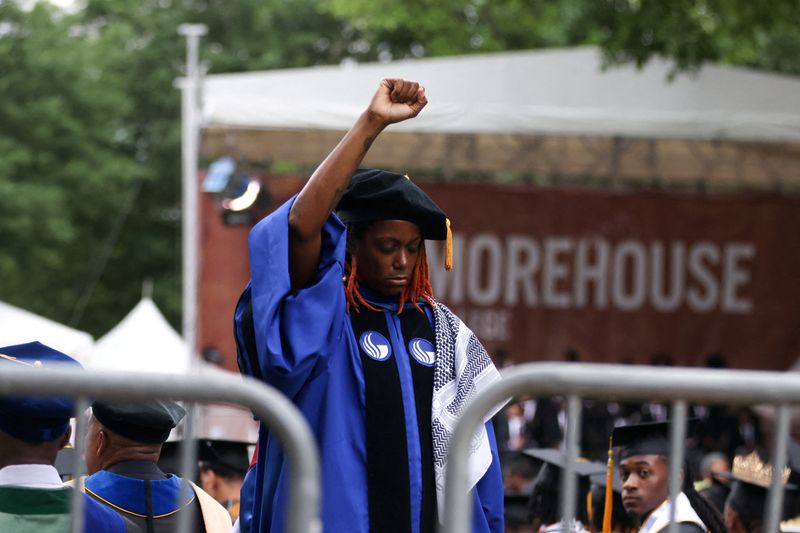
column 545, row 500
column 618, row 521
column 744, row 507
column 223, row 465
column 32, row 431
column 644, row 471
column 123, row 444
column 339, row 315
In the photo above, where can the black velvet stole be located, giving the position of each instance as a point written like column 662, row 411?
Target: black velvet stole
column 387, row 452
column 416, row 325
column 388, row 479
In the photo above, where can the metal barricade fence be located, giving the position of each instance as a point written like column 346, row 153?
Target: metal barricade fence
column 270, row 406
column 622, row 382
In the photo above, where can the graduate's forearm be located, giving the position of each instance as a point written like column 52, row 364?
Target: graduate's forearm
column 321, row 193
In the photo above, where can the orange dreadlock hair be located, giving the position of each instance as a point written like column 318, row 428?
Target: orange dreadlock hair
column 418, row 288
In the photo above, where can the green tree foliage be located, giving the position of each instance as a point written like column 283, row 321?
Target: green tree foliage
column 446, row 27
column 689, row 32
column 62, row 170
column 90, row 137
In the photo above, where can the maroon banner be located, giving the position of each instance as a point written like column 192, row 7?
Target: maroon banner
column 549, row 274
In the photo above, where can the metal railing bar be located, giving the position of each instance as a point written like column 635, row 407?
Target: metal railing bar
column 568, row 482
column 78, row 464
column 268, row 404
column 779, row 458
column 609, row 382
column 657, row 384
column 188, row 454
column 676, row 453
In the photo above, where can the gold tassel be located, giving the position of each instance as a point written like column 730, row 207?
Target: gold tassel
column 589, row 513
column 448, row 247
column 609, row 503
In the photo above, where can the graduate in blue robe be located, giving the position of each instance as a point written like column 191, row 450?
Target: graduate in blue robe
column 342, row 320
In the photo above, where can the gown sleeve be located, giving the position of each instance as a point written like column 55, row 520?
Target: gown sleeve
column 286, row 339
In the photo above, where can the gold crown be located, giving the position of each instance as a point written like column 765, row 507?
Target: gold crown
column 751, row 469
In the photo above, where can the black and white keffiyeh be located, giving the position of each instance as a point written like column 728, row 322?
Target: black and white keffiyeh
column 462, row 369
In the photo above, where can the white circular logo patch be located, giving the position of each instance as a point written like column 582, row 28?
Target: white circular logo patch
column 423, row 351
column 375, row 345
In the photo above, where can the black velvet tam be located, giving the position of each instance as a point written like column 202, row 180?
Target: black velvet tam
column 382, row 195
column 146, row 422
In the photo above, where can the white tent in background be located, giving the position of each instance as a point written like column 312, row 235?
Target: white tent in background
column 19, row 326
column 549, row 91
column 142, row 342
column 145, row 342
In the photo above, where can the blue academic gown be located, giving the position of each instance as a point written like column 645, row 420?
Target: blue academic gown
column 305, row 346
column 157, row 495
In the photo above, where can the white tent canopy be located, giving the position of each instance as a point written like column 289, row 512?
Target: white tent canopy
column 555, row 91
column 18, row 326
column 143, row 342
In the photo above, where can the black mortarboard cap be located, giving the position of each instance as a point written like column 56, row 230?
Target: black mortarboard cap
column 35, row 418
column 642, row 439
column 147, row 422
column 226, row 454
column 601, row 480
column 558, row 459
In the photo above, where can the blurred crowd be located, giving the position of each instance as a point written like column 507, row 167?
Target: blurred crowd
column 528, row 428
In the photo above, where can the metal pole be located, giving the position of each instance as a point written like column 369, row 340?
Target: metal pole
column 190, row 86
column 676, row 453
column 188, row 467
column 568, row 483
column 779, row 456
column 78, row 465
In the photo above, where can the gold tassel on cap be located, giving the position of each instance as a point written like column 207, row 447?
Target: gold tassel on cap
column 609, row 503
column 589, row 513
column 448, row 247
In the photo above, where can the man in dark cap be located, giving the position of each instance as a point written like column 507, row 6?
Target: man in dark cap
column 744, row 507
column 644, row 471
column 123, row 444
column 32, row 431
column 340, row 316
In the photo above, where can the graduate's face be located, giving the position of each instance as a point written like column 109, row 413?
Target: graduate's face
column 645, row 485
column 386, row 255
